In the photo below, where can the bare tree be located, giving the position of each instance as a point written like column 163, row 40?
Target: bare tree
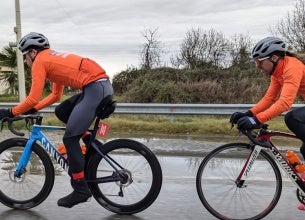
column 214, row 47
column 151, row 51
column 203, row 48
column 292, row 27
column 240, row 51
column 175, row 61
column 190, row 49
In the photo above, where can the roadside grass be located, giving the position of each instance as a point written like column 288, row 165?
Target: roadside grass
column 162, row 124
column 165, row 124
column 186, row 126
column 194, row 125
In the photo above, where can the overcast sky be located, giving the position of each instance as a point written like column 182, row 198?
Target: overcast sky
column 110, row 31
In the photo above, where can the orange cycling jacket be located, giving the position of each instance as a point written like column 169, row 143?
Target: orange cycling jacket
column 287, row 81
column 62, row 69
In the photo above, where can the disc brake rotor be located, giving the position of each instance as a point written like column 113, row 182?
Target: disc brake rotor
column 14, row 178
column 127, row 181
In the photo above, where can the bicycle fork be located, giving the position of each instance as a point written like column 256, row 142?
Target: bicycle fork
column 247, row 167
column 24, row 159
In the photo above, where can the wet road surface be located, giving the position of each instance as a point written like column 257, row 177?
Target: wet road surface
column 178, row 198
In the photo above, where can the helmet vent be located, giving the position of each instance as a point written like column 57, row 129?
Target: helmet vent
column 267, row 46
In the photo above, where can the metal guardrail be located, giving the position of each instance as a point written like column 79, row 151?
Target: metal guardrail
column 168, row 109
column 180, row 109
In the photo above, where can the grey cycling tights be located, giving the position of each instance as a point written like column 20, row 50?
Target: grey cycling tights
column 78, row 113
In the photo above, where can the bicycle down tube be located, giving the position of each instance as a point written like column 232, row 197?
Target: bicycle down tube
column 37, row 135
column 279, row 158
column 284, row 164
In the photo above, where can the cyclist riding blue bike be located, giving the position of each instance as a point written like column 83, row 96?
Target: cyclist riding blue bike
column 78, row 112
column 287, row 80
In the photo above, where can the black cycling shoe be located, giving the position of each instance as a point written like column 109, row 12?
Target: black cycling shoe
column 80, row 194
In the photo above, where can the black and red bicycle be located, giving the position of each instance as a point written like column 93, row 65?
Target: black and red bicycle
column 243, row 180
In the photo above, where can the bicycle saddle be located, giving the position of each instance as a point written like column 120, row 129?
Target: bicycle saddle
column 106, row 107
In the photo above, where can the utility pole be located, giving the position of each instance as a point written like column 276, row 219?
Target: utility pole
column 20, row 62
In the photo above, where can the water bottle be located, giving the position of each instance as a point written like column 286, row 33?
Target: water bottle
column 295, row 161
column 84, row 149
column 62, row 150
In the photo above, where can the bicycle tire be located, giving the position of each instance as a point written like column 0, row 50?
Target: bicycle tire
column 141, row 165
column 34, row 186
column 218, row 192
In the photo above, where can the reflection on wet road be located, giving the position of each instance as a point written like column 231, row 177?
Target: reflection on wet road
column 178, row 198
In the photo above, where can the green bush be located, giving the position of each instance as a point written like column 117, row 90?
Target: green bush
column 210, row 85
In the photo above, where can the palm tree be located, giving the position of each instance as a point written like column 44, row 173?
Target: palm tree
column 8, row 59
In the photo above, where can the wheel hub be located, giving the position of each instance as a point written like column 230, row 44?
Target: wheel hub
column 14, row 178
column 127, row 180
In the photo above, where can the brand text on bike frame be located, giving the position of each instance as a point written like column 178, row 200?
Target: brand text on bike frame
column 279, row 158
column 38, row 135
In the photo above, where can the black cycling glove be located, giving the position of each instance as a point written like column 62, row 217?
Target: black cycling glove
column 30, row 112
column 248, row 123
column 6, row 113
column 237, row 115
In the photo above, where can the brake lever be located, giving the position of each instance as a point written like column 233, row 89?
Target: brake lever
column 28, row 123
column 232, row 125
column 10, row 127
column 5, row 119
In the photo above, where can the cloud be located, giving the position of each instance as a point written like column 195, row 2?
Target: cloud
column 110, row 31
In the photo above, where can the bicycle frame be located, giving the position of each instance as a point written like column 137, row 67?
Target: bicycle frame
column 263, row 142
column 37, row 135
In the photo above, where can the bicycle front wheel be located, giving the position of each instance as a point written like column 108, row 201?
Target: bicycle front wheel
column 36, row 182
column 219, row 192
column 143, row 172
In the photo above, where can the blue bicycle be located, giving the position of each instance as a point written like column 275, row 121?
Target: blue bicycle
column 123, row 175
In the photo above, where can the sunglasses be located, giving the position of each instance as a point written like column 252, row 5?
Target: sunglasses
column 25, row 53
column 259, row 60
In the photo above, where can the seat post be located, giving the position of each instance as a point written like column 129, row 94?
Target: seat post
column 95, row 129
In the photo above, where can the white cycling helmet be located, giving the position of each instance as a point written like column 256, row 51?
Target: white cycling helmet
column 267, row 46
column 33, row 39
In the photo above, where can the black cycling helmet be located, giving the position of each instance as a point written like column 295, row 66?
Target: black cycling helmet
column 33, row 40
column 267, row 46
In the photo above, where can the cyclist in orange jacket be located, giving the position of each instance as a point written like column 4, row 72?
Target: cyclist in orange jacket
column 287, row 80
column 78, row 112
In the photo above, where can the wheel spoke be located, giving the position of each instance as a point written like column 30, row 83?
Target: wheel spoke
column 34, row 185
column 222, row 197
column 142, row 179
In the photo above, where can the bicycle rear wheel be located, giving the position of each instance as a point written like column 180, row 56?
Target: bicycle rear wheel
column 142, row 168
column 219, row 192
column 34, row 185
